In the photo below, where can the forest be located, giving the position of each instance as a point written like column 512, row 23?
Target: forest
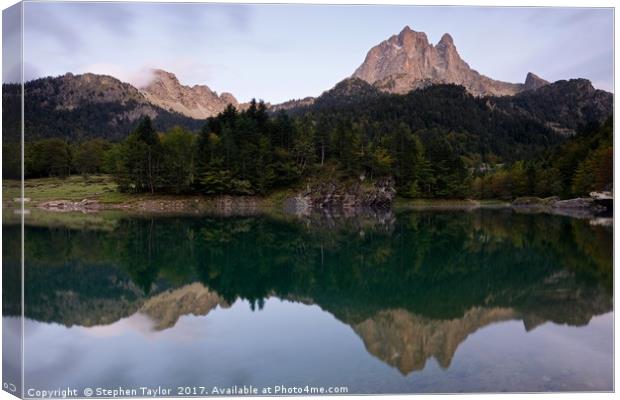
column 458, row 153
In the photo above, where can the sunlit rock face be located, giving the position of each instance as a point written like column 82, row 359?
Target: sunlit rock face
column 406, row 341
column 166, row 308
column 408, row 61
column 197, row 101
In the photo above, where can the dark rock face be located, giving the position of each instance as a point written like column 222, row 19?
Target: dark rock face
column 580, row 202
column 331, row 195
column 533, row 82
column 580, row 207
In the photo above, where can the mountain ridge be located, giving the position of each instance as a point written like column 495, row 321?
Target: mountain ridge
column 401, row 64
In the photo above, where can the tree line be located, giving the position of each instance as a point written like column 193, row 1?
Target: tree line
column 251, row 152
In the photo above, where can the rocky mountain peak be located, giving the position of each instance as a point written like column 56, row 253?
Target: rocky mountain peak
column 533, row 82
column 409, row 38
column 198, row 101
column 165, row 76
column 408, row 61
column 446, row 40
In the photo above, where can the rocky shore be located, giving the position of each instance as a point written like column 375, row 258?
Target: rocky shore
column 222, row 205
column 598, row 204
column 334, row 200
column 342, row 198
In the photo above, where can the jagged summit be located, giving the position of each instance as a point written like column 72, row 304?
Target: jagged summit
column 197, row 101
column 408, row 61
column 533, row 82
column 446, row 39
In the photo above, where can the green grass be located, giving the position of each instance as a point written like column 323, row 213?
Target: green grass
column 99, row 187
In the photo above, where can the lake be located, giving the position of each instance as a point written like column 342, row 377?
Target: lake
column 413, row 302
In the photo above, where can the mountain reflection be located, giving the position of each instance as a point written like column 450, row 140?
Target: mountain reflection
column 412, row 287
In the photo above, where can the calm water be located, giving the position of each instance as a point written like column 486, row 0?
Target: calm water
column 418, row 302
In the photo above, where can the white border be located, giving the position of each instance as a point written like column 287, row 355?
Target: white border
column 488, row 3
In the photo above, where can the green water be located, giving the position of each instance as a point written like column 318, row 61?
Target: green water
column 489, row 300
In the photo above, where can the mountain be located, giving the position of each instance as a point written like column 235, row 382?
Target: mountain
column 347, row 92
column 563, row 106
column 197, row 101
column 473, row 124
column 292, row 104
column 75, row 107
column 408, row 61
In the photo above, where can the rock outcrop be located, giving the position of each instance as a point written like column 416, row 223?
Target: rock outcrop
column 342, row 197
column 197, row 101
column 599, row 203
column 533, row 82
column 408, row 61
column 84, row 205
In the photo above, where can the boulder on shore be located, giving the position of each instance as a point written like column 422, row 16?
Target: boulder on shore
column 579, row 202
column 596, row 204
column 85, row 205
column 333, row 195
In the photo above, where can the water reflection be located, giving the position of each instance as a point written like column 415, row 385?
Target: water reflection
column 413, row 287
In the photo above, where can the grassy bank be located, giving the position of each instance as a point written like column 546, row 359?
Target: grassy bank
column 97, row 187
column 103, row 189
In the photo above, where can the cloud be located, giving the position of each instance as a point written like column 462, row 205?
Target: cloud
column 210, row 17
column 189, row 71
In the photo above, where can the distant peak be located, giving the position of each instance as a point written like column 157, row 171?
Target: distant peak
column 407, row 61
column 531, row 75
column 533, row 81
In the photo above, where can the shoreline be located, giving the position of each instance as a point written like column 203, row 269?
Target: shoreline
column 94, row 194
column 198, row 205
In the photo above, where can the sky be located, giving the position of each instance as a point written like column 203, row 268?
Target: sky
column 282, row 52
